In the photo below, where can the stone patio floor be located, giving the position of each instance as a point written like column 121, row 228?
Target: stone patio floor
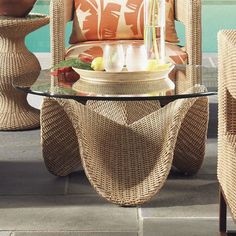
column 34, row 202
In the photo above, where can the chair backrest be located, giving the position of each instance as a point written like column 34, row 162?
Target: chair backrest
column 115, row 19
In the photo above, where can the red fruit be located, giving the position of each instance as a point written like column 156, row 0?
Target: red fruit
column 61, row 71
column 71, row 76
column 85, row 58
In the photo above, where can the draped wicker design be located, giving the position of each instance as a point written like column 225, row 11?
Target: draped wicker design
column 126, row 148
column 59, row 140
column 227, row 117
column 190, row 147
column 17, row 63
column 186, row 11
column 124, row 113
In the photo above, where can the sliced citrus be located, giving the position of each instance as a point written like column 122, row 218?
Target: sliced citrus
column 97, row 64
column 153, row 65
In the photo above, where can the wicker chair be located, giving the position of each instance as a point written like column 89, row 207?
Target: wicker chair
column 64, row 139
column 227, row 128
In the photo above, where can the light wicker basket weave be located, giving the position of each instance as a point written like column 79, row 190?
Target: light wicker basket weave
column 126, row 148
column 227, row 118
column 17, row 63
column 122, row 180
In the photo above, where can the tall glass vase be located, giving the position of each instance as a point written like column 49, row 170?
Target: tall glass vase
column 154, row 30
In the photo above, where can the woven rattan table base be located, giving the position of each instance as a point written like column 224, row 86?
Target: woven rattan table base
column 16, row 62
column 126, row 148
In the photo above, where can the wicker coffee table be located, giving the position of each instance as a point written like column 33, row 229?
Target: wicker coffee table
column 17, row 63
column 126, row 143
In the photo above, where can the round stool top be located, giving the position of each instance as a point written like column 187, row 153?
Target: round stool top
column 33, row 18
column 12, row 27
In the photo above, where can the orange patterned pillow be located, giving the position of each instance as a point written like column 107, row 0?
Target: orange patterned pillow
column 115, row 19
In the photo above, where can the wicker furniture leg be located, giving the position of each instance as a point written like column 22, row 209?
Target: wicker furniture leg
column 190, row 146
column 223, row 217
column 127, row 163
column 16, row 61
column 58, row 138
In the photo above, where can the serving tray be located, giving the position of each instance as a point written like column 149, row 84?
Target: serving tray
column 124, row 82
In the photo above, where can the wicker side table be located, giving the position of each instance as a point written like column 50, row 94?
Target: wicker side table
column 17, row 63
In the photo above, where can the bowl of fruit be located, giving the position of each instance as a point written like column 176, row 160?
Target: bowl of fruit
column 93, row 78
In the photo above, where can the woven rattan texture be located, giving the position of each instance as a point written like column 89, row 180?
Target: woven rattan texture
column 186, row 11
column 135, row 179
column 190, row 147
column 227, row 117
column 124, row 113
column 57, row 30
column 189, row 13
column 17, row 63
column 126, row 148
column 59, row 140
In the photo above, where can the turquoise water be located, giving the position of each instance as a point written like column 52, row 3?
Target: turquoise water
column 39, row 40
column 215, row 16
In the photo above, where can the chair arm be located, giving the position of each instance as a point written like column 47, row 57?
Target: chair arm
column 227, row 116
column 189, row 13
column 227, row 82
column 60, row 14
column 227, row 61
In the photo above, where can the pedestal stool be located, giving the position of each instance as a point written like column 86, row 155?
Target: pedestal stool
column 17, row 63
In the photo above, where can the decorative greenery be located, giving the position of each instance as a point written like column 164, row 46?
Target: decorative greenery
column 73, row 62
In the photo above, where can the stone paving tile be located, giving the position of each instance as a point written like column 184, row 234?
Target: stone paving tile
column 30, row 153
column 183, row 227
column 213, row 99
column 21, row 145
column 79, row 184
column 206, row 62
column 22, row 170
column 65, row 213
column 185, row 197
column 19, row 138
column 5, row 233
column 209, row 54
column 75, row 234
column 209, row 165
column 24, row 177
column 215, row 60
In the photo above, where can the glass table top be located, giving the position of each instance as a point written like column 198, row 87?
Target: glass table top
column 184, row 81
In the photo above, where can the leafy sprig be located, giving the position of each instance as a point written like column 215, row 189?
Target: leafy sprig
column 73, row 62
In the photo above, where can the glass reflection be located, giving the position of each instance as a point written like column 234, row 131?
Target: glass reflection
column 185, row 78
